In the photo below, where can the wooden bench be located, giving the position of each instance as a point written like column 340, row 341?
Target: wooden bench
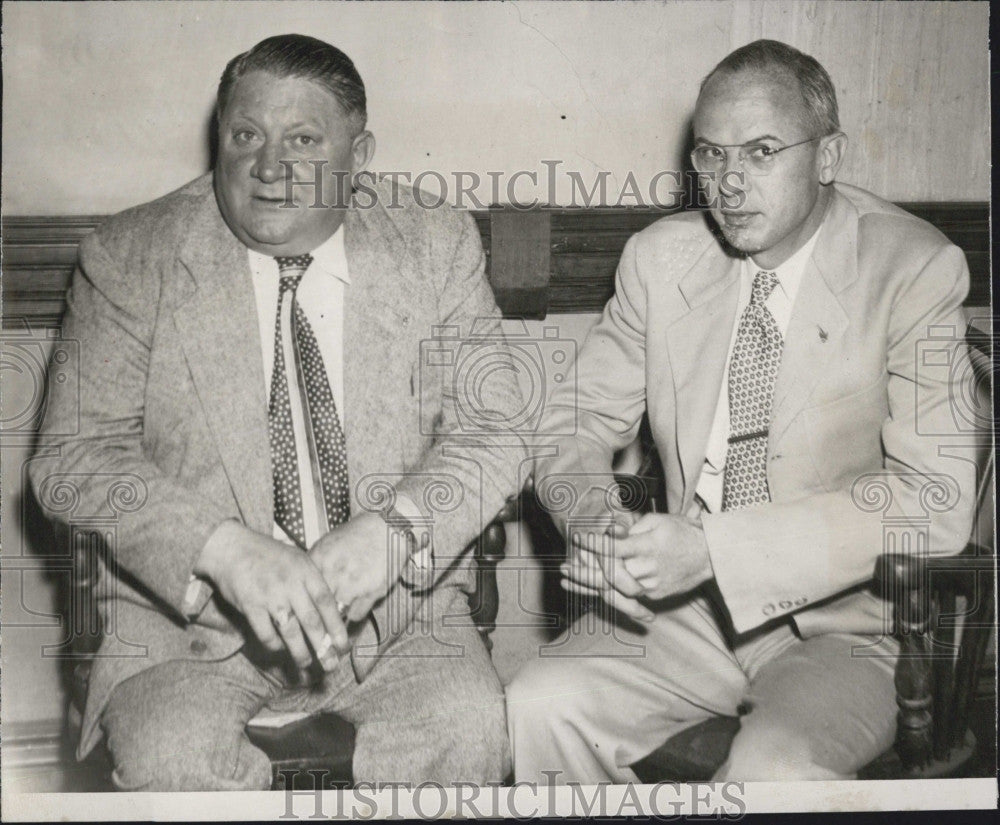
column 559, row 260
column 547, row 260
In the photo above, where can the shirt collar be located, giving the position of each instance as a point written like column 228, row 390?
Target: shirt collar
column 330, row 257
column 789, row 273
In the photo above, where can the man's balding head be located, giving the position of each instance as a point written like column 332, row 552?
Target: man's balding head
column 782, row 64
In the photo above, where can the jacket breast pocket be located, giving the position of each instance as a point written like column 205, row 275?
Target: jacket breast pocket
column 845, row 435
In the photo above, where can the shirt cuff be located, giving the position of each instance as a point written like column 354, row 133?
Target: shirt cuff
column 423, row 557
column 195, row 597
column 199, row 591
column 418, row 572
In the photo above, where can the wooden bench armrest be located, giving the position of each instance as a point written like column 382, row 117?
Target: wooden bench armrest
column 933, row 696
column 489, row 549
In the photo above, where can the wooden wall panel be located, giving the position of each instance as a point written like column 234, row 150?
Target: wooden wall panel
column 555, row 260
column 912, row 81
column 520, row 260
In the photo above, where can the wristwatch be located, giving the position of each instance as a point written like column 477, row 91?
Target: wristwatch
column 396, row 520
column 418, row 571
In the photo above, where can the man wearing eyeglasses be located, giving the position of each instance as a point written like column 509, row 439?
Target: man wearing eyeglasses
column 773, row 344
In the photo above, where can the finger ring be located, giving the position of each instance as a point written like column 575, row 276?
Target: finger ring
column 342, row 610
column 324, row 646
column 282, row 616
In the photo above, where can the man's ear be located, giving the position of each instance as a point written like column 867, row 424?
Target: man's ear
column 831, row 154
column 362, row 151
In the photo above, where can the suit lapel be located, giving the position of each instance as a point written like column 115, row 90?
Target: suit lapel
column 377, row 340
column 221, row 340
column 818, row 320
column 697, row 343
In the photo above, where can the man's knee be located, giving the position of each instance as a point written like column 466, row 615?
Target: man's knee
column 481, row 741
column 154, row 757
column 774, row 755
column 450, row 726
column 541, row 697
column 158, row 742
column 467, row 743
column 473, row 738
column 150, row 771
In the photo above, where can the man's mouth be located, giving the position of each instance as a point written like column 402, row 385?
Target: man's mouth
column 271, row 200
column 736, row 220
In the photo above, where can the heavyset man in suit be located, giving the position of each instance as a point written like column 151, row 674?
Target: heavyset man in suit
column 226, row 405
column 774, row 346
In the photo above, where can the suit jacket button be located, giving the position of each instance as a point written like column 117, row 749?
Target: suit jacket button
column 198, row 646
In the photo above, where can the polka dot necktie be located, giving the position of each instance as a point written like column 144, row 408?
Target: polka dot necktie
column 326, row 446
column 752, row 371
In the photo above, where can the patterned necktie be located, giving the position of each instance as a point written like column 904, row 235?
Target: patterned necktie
column 752, row 371
column 326, row 447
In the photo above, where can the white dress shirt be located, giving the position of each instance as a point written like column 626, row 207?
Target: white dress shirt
column 708, row 494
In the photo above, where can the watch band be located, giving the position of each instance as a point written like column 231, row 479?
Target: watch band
column 395, row 519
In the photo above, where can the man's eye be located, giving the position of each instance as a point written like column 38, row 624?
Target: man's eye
column 713, row 152
column 761, row 152
column 243, row 137
column 305, row 140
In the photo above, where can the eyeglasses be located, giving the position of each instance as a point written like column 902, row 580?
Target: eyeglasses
column 754, row 158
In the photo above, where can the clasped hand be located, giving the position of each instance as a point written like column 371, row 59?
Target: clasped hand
column 657, row 556
column 359, row 560
column 302, row 601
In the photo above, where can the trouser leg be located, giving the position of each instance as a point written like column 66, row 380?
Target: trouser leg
column 179, row 726
column 432, row 708
column 611, row 691
column 821, row 709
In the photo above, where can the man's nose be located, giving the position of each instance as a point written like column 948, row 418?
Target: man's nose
column 267, row 166
column 735, row 182
column 734, row 160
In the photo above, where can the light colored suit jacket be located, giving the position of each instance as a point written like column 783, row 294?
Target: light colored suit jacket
column 858, row 458
column 169, row 433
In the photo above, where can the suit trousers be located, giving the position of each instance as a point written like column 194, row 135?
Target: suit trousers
column 611, row 691
column 430, row 710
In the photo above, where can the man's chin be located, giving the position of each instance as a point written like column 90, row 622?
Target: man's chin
column 737, row 236
column 740, row 239
column 273, row 232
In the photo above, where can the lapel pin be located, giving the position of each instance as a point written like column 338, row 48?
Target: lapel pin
column 822, row 334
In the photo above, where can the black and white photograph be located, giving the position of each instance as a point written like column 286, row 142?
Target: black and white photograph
column 496, row 409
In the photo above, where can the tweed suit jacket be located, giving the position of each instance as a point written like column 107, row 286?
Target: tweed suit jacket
column 172, row 432
column 865, row 452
